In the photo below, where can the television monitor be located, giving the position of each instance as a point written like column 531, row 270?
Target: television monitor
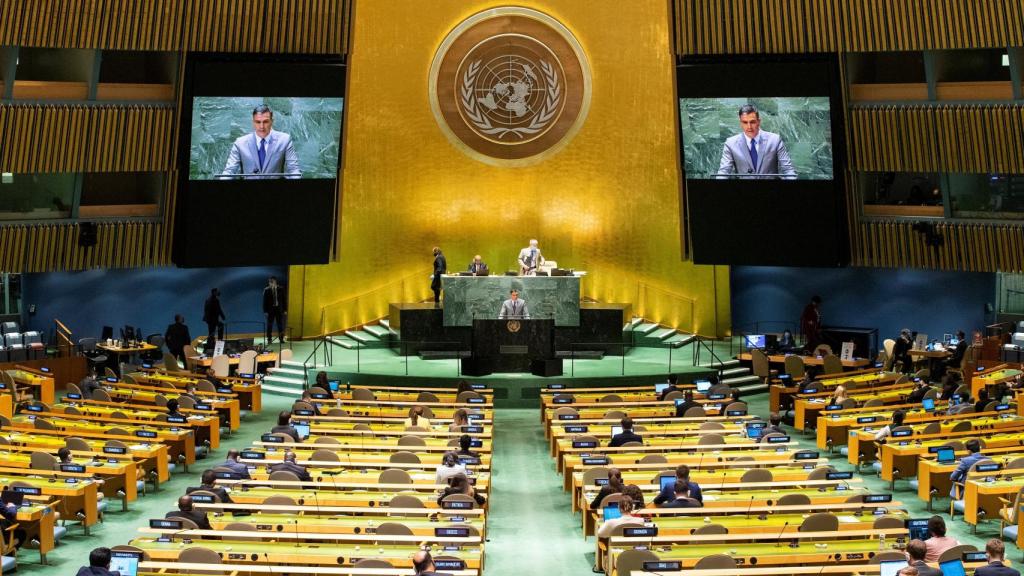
column 945, row 455
column 928, row 404
column 659, row 388
column 611, row 512
column 918, row 528
column 755, row 341
column 792, row 107
column 260, row 141
column 952, row 568
column 125, row 562
column 891, row 567
column 702, row 385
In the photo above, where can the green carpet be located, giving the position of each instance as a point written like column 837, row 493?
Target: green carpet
column 530, row 524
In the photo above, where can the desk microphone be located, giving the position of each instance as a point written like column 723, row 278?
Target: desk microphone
column 270, row 566
column 779, row 536
column 749, row 506
column 750, row 170
column 296, row 524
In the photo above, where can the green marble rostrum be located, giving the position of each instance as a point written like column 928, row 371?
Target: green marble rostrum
column 313, row 123
column 803, row 123
column 469, row 297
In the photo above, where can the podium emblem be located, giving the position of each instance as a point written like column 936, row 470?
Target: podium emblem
column 510, row 86
column 513, row 326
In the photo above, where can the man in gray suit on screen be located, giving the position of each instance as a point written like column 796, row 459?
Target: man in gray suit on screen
column 264, row 151
column 755, row 151
column 514, row 308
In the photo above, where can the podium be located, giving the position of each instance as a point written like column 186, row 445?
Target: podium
column 510, row 346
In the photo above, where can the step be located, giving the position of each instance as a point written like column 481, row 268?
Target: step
column 281, row 391
column 752, row 388
column 679, row 339
column 730, row 363
column 741, row 380
column 663, row 334
column 580, row 354
column 343, row 341
column 385, row 323
column 734, row 372
column 286, row 371
column 365, row 339
column 285, row 380
column 293, row 364
column 645, row 328
column 444, row 354
column 380, row 332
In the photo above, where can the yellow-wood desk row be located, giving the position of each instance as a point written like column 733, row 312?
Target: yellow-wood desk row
column 806, row 410
column 834, row 426
column 38, row 382
column 153, row 458
column 782, row 391
column 181, row 444
column 247, row 389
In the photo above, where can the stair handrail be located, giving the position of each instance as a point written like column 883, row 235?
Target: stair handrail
column 319, row 341
column 400, row 282
column 702, row 341
column 641, row 303
column 62, row 337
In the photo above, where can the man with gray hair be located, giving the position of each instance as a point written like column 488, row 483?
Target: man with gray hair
column 263, row 151
column 755, row 153
column 530, row 259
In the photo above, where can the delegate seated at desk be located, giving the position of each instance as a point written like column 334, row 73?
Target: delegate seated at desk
column 478, row 267
column 514, row 308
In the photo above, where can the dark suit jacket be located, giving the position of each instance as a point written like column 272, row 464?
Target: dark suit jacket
column 958, row 354
column 440, row 265
column 268, row 299
column 667, row 391
column 924, row 569
column 474, row 268
column 299, row 471
column 195, row 515
column 289, row 430
column 627, row 436
column 220, row 492
column 996, row 569
column 682, row 408
column 237, row 467
column 212, row 311
column 176, row 337
column 683, row 503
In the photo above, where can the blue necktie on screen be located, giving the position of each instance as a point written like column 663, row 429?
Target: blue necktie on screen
column 263, row 152
column 753, row 153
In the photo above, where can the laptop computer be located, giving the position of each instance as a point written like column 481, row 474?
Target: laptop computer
column 303, row 429
column 666, row 481
column 611, row 512
column 891, row 567
column 928, row 404
column 755, row 430
column 918, row 528
column 616, row 430
column 125, row 562
column 952, row 568
column 659, row 388
column 703, row 385
column 945, row 456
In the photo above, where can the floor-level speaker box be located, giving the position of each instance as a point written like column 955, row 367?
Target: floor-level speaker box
column 546, row 367
column 477, row 366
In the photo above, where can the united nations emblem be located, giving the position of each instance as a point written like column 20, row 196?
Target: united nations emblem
column 513, row 326
column 510, row 86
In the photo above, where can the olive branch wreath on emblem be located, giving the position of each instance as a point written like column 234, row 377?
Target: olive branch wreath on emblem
column 540, row 120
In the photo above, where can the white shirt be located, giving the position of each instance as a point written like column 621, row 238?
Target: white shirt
column 607, row 526
column 443, row 472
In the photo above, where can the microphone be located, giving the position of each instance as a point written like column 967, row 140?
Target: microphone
column 779, row 537
column 749, row 506
column 270, row 567
column 750, row 170
column 296, row 524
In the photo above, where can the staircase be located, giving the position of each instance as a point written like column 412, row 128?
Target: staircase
column 738, row 377
column 649, row 334
column 288, row 379
column 377, row 335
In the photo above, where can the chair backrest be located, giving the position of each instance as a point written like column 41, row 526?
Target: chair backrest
column 795, row 499
column 654, row 459
column 962, row 426
column 44, row 424
column 820, row 473
column 72, row 411
column 883, row 522
column 393, row 529
column 198, row 555
column 428, row 412
column 394, row 476
column 337, row 412
column 411, row 441
column 301, row 405
column 1013, row 513
column 247, row 362
column 710, row 439
column 714, row 529
column 757, row 475
column 427, row 397
column 242, row 527
column 185, row 522
column 221, row 365
column 632, row 560
column 932, row 428
column 694, row 412
column 372, row 563
column 43, row 461
column 101, row 395
column 204, row 385
column 831, row 364
column 406, row 501
column 324, row 455
column 711, row 426
column 715, row 562
column 171, row 363
column 565, row 411
column 186, row 402
column 591, row 475
column 674, row 395
column 363, row 395
column 820, row 522
column 284, row 475
column 466, row 395
column 615, row 414
column 118, row 415
column 72, row 388
column 77, row 444
column 736, row 406
column 956, row 552
column 873, row 402
column 459, row 498
column 887, row 556
column 794, row 366
column 404, row 457
column 279, row 500
column 848, row 403
column 611, row 398
column 327, row 440
column 759, row 363
column 632, row 444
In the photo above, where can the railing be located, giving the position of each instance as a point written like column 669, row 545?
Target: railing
column 399, row 351
column 338, row 315
column 62, row 339
column 665, row 307
column 322, row 345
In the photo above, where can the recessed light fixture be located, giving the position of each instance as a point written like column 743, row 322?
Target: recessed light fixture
column 7, row 178
column 1006, row 59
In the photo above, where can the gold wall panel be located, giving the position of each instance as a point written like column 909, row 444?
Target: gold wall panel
column 78, row 138
column 965, row 247
column 787, row 26
column 46, row 247
column 296, row 26
column 608, row 203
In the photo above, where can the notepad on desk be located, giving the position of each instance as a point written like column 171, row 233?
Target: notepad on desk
column 848, row 519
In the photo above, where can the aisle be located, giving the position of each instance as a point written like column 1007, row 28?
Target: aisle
column 530, row 525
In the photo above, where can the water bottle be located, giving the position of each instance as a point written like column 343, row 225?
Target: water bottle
column 881, row 542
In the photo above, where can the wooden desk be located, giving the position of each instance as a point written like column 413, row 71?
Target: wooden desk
column 780, row 393
column 248, row 390
column 154, row 456
column 81, row 496
column 206, row 428
column 993, row 376
column 806, row 410
column 855, row 364
column 905, row 457
column 151, row 568
column 118, row 475
column 353, row 524
column 179, row 443
column 234, row 359
column 40, row 382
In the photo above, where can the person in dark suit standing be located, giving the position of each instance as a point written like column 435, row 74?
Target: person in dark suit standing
column 176, row 337
column 810, row 323
column 440, row 267
column 994, row 551
column 214, row 317
column 274, row 308
column 185, row 510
